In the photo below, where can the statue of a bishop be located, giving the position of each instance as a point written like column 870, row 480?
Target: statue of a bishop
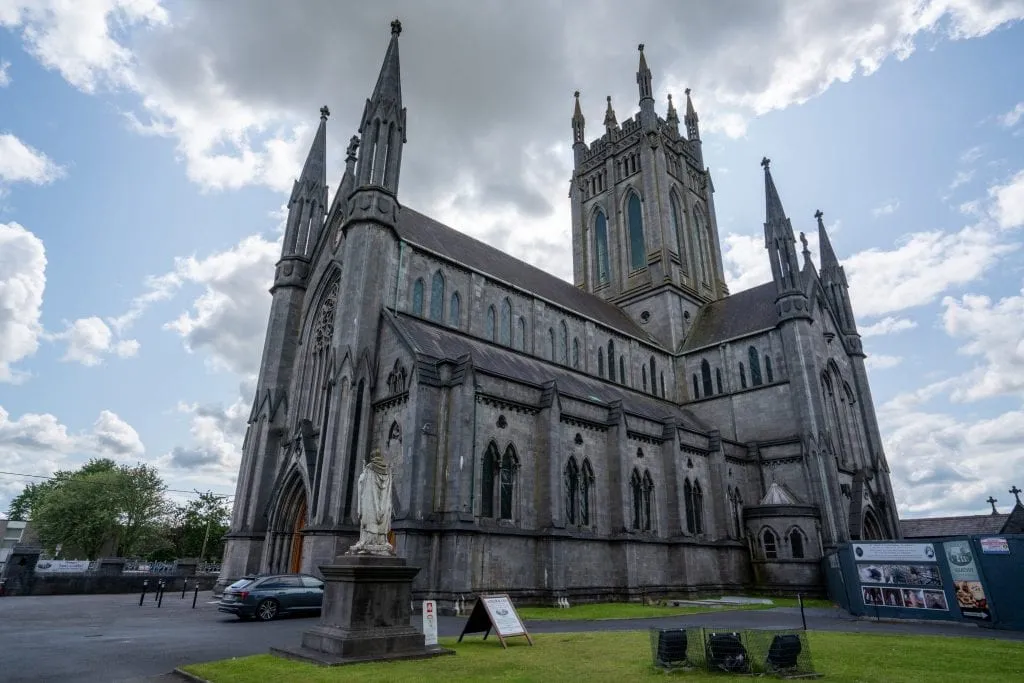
column 373, row 508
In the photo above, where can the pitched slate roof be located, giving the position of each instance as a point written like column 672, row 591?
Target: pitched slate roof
column 425, row 232
column 439, row 343
column 929, row 527
column 735, row 315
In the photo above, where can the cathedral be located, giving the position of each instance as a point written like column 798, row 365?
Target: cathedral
column 638, row 432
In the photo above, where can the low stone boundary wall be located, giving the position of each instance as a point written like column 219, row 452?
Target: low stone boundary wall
column 88, row 583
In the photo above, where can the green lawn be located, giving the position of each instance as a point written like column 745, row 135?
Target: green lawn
column 626, row 656
column 635, row 610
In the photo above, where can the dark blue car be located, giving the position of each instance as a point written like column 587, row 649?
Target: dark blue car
column 265, row 597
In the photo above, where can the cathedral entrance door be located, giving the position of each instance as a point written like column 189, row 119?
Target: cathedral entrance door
column 295, row 563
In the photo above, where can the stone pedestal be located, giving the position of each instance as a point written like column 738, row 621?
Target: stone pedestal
column 366, row 614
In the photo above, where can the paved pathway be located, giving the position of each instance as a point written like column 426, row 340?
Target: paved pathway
column 109, row 638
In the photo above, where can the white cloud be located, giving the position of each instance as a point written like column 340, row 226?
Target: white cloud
column 961, row 178
column 887, row 325
column 21, row 163
column 22, row 281
column 89, row 339
column 878, row 361
column 5, row 76
column 923, row 266
column 39, row 444
column 217, row 435
column 993, row 333
column 1010, row 118
column 1008, row 210
column 946, row 465
column 971, row 154
column 886, row 208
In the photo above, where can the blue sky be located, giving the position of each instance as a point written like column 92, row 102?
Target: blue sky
column 146, row 150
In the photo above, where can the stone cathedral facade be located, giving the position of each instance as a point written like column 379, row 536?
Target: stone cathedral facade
column 640, row 431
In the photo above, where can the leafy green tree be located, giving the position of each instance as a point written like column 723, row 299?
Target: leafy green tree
column 199, row 526
column 22, row 505
column 142, row 505
column 79, row 511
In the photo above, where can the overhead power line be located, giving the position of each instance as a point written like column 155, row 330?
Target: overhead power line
column 100, row 483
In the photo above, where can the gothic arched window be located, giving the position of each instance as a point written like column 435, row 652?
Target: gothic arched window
column 454, row 310
column 663, row 385
column 636, row 497
column 677, row 228
column 563, row 343
column 696, row 389
column 507, row 482
column 572, row 486
column 437, row 297
column 654, row 373
column 522, row 333
column 492, row 324
column 688, row 505
column 643, row 377
column 771, row 544
column 737, row 512
column 601, row 248
column 703, row 255
column 698, row 508
column 648, row 501
column 551, row 341
column 611, row 359
column 622, row 370
column 796, row 544
column 600, row 363
column 575, row 352
column 743, row 377
column 718, row 379
column 705, row 377
column 417, row 297
column 586, row 486
column 768, row 368
column 755, row 366
column 506, row 322
column 489, row 470
column 635, row 217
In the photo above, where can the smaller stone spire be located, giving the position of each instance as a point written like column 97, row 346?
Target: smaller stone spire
column 610, row 122
column 578, row 122
column 307, row 204
column 643, row 78
column 691, row 120
column 774, row 213
column 673, row 116
column 828, row 254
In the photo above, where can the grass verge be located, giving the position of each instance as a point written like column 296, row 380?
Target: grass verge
column 635, row 610
column 852, row 657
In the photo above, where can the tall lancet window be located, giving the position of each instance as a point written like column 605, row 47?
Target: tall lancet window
column 601, row 248
column 635, row 218
column 417, row 297
column 437, row 297
column 677, row 228
column 492, row 324
column 506, row 322
column 703, row 255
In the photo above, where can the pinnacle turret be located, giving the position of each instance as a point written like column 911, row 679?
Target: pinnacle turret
column 578, row 122
column 308, row 201
column 643, row 79
column 382, row 129
column 610, row 122
column 691, row 120
column 778, row 236
column 672, row 117
column 828, row 254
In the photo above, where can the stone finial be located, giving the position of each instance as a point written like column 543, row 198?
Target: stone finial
column 765, row 163
column 992, row 501
column 1016, row 493
column 640, row 47
column 687, row 92
column 353, row 145
column 803, row 241
column 576, row 94
column 818, row 214
column 396, row 28
column 324, row 112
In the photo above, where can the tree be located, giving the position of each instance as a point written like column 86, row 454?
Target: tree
column 22, row 505
column 97, row 506
column 199, row 526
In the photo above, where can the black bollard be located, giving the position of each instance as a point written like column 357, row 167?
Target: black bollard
column 195, row 596
column 184, row 587
column 160, row 598
column 145, row 584
column 803, row 618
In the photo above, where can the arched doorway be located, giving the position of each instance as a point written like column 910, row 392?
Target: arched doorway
column 872, row 529
column 295, row 561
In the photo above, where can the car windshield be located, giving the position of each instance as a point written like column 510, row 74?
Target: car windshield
column 241, row 583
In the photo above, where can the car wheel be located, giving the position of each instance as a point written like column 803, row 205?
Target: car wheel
column 266, row 610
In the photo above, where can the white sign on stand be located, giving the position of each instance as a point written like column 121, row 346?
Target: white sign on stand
column 430, row 622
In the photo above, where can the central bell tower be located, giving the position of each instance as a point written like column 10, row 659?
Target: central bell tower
column 645, row 236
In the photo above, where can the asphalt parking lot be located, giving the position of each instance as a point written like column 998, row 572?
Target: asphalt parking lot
column 109, row 638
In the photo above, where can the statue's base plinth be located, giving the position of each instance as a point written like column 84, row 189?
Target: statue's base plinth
column 365, row 616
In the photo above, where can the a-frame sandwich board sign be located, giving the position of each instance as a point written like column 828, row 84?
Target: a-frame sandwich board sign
column 497, row 612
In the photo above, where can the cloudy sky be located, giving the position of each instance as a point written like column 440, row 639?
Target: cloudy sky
column 147, row 147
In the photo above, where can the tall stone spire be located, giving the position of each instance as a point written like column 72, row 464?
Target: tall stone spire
column 382, row 128
column 779, row 238
column 691, row 120
column 308, row 202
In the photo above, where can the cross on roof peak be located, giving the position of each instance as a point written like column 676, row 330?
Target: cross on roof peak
column 992, row 501
column 765, row 162
column 1016, row 493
